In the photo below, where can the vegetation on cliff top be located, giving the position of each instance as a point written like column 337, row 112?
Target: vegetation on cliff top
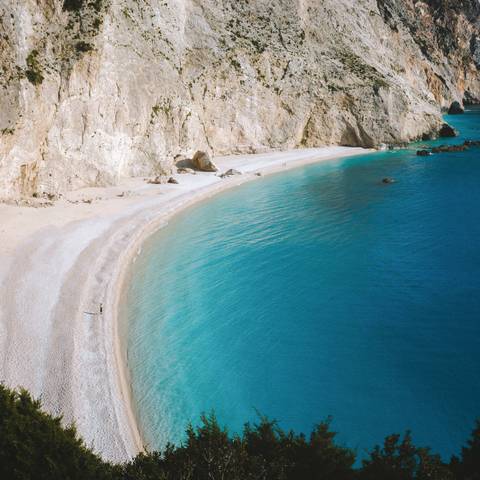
column 34, row 444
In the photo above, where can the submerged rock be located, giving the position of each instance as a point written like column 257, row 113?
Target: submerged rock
column 455, row 109
column 446, row 131
column 202, row 161
column 388, row 180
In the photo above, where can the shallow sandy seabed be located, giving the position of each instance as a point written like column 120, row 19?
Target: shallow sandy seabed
column 58, row 264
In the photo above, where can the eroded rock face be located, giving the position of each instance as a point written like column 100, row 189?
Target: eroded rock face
column 97, row 90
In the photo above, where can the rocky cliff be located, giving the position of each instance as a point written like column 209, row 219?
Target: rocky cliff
column 93, row 90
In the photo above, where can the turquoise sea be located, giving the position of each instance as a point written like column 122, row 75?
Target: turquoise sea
column 315, row 292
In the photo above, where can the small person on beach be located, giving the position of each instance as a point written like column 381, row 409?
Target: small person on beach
column 101, row 308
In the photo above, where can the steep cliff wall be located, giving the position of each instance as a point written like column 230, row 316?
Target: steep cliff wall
column 93, row 90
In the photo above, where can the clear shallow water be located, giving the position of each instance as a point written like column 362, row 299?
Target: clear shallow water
column 319, row 292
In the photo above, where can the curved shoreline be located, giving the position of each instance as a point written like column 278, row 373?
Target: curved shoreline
column 135, row 248
column 60, row 263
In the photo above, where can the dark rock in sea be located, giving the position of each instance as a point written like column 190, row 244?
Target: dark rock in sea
column 423, row 153
column 455, row 109
column 388, row 180
column 172, row 180
column 446, row 131
column 449, row 148
column 472, row 143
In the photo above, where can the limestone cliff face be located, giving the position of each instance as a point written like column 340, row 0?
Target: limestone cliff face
column 93, row 90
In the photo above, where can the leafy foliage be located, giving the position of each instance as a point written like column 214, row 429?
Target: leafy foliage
column 401, row 460
column 34, row 445
column 468, row 468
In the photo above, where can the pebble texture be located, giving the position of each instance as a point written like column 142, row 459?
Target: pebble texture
column 96, row 90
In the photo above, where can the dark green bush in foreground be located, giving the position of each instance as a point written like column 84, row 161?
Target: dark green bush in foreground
column 34, row 445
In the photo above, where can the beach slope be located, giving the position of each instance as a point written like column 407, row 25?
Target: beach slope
column 61, row 272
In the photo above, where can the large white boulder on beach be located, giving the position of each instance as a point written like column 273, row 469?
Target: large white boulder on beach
column 202, row 161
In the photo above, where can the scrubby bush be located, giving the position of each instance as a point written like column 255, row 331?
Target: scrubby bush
column 34, row 72
column 35, row 445
column 83, row 47
column 468, row 466
column 400, row 459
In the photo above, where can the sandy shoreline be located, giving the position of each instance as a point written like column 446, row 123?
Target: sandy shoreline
column 58, row 264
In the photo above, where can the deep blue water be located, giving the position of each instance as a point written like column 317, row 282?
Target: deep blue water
column 317, row 292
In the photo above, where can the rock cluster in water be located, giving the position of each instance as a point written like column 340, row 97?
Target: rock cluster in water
column 449, row 148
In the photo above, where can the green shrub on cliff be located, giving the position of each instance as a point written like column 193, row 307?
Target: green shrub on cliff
column 34, row 72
